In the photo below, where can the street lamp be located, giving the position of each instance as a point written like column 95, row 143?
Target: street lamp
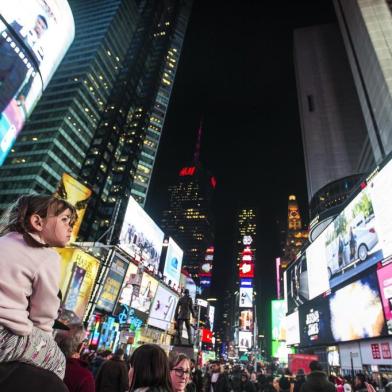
column 212, row 299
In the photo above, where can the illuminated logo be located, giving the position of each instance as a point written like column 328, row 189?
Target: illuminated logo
column 187, row 171
column 247, row 240
column 312, row 324
column 213, row 182
column 246, row 270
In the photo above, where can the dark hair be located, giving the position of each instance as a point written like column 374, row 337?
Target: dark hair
column 315, row 365
column 118, row 353
column 150, row 368
column 16, row 218
column 43, row 20
column 175, row 358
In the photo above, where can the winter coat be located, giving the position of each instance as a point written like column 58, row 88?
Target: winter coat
column 112, row 376
column 317, row 381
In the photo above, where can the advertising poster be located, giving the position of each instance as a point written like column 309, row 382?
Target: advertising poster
column 163, row 308
column 246, row 320
column 186, row 282
column 140, row 236
column 246, row 282
column 384, row 276
column 301, row 361
column 78, row 195
column 297, row 283
column 356, row 311
column 281, row 351
column 34, row 37
column 292, row 328
column 147, row 291
column 78, row 273
column 206, row 265
column 206, row 335
column 278, row 318
column 246, row 297
column 314, row 321
column 112, row 285
column 246, row 270
column 211, row 316
column 173, row 262
column 245, row 340
column 126, row 292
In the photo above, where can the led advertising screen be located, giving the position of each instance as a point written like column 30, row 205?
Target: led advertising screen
column 125, row 296
column 78, row 195
column 297, row 283
column 281, row 351
column 246, row 320
column 211, row 316
column 246, row 282
column 186, row 282
column 278, row 317
column 292, row 328
column 314, row 321
column 206, row 335
column 112, row 285
column 173, row 262
column 140, row 236
column 206, row 265
column 78, row 273
column 356, row 310
column 246, row 297
column 247, row 269
column 245, row 340
column 384, row 276
column 163, row 308
column 148, row 288
column 34, row 37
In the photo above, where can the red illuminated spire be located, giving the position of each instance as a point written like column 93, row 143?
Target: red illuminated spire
column 196, row 156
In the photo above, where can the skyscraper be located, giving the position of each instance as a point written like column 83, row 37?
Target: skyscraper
column 120, row 161
column 333, row 128
column 189, row 217
column 367, row 34
column 62, row 125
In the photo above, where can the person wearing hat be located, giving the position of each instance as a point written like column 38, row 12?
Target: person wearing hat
column 183, row 312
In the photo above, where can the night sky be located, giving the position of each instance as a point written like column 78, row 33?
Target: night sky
column 236, row 71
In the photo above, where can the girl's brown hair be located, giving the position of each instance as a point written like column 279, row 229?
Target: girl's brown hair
column 150, row 368
column 175, row 358
column 17, row 217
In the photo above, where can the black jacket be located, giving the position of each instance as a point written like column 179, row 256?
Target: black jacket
column 222, row 384
column 184, row 308
column 317, row 381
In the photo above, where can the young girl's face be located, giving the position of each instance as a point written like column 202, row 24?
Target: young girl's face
column 57, row 230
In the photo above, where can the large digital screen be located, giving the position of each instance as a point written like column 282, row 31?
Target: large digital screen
column 186, row 282
column 356, row 310
column 207, row 264
column 163, row 308
column 292, row 328
column 140, row 236
column 126, row 291
column 78, row 195
column 246, row 320
column 112, row 285
column 281, row 351
column 278, row 319
column 245, row 340
column 211, row 316
column 384, row 275
column 148, row 288
column 297, row 283
column 173, row 262
column 246, row 297
column 247, row 269
column 34, row 37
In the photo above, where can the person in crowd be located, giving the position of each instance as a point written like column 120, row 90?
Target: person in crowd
column 246, row 384
column 99, row 359
column 361, row 385
column 196, row 376
column 215, row 381
column 112, row 375
column 317, row 380
column 271, row 384
column 29, row 279
column 78, row 377
column 347, row 385
column 149, row 370
column 285, row 382
column 261, row 380
column 299, row 380
column 180, row 372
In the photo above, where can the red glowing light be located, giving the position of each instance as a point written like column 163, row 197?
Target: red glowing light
column 187, row 171
column 213, row 182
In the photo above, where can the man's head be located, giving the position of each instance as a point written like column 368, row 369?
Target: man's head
column 315, row 366
column 41, row 25
column 186, row 292
column 215, row 367
column 70, row 342
column 119, row 354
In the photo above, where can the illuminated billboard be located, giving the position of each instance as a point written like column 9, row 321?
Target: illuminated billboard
column 246, row 282
column 297, row 283
column 211, row 316
column 246, row 297
column 186, row 282
column 246, row 320
column 126, row 291
column 163, row 308
column 206, row 265
column 292, row 328
column 173, row 262
column 35, row 36
column 281, row 351
column 112, row 285
column 206, row 335
column 78, row 273
column 384, row 275
column 140, row 236
column 245, row 340
column 278, row 317
column 246, row 270
column 148, row 288
column 78, row 195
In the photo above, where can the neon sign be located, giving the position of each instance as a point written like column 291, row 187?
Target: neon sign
column 187, row 171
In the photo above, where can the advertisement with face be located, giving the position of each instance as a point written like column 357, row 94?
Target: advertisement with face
column 246, row 297
column 173, row 262
column 246, row 320
column 78, row 273
column 126, row 292
column 365, row 318
column 297, row 283
column 384, row 276
column 78, row 195
column 245, row 340
column 112, row 285
column 147, row 291
column 278, row 317
column 140, row 235
column 314, row 321
column 34, row 37
column 292, row 328
column 163, row 308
